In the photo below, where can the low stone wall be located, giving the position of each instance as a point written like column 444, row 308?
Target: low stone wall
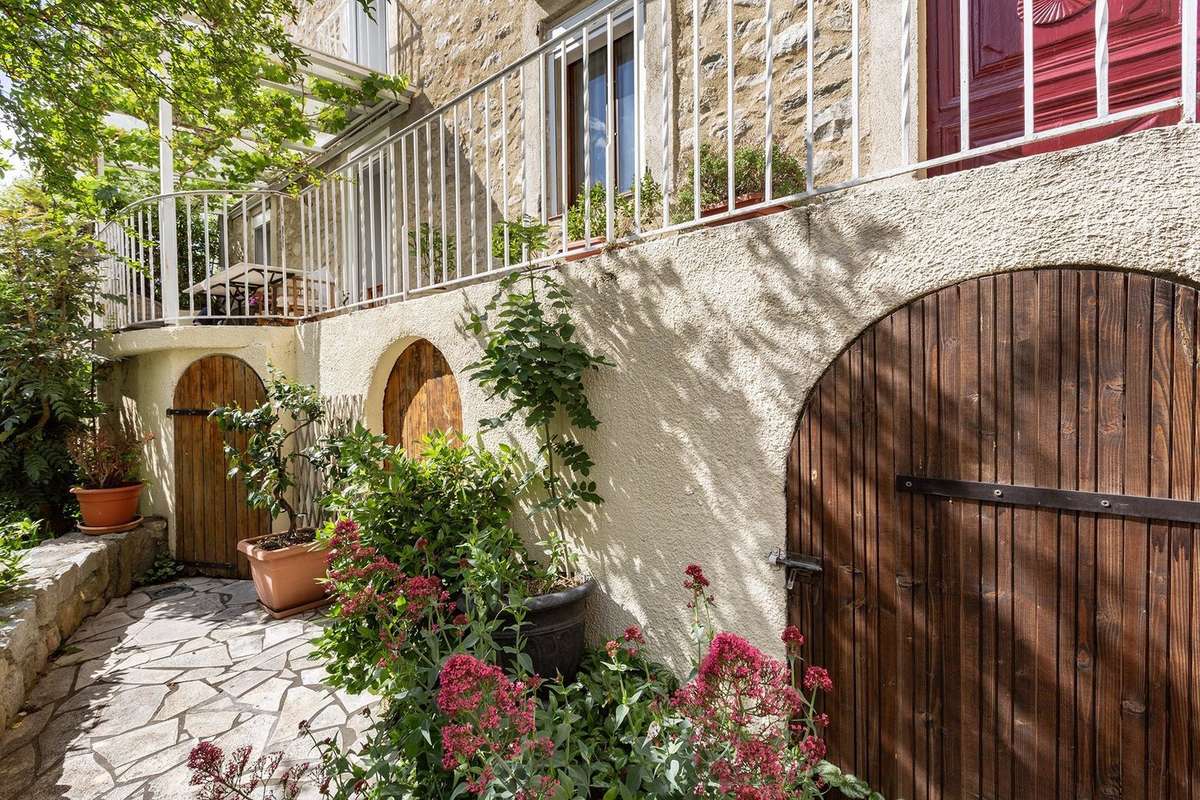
column 68, row 580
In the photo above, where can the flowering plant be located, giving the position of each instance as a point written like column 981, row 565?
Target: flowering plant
column 235, row 777
column 489, row 736
column 754, row 735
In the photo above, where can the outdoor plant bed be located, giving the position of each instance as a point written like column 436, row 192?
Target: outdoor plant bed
column 552, row 632
column 288, row 567
column 288, row 570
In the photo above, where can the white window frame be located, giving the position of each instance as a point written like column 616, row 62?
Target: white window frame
column 597, row 39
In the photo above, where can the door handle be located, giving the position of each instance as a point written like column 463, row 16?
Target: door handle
column 808, row 567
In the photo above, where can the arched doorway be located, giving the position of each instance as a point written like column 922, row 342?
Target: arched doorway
column 211, row 515
column 421, row 396
column 1003, row 612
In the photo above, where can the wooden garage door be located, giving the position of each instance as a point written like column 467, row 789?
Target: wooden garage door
column 211, row 515
column 995, row 649
column 421, row 397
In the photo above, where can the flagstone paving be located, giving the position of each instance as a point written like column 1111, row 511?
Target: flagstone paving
column 153, row 674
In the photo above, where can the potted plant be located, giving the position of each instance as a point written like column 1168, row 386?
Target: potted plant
column 288, row 567
column 749, row 180
column 108, row 463
column 532, row 360
column 593, row 210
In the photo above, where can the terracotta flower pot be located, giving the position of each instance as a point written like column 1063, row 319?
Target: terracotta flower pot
column 288, row 580
column 107, row 508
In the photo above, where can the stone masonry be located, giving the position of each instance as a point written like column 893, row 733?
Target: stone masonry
column 69, row 579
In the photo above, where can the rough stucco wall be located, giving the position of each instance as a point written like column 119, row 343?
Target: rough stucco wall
column 149, row 365
column 719, row 334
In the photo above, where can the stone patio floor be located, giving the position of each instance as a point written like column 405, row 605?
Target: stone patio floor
column 153, row 674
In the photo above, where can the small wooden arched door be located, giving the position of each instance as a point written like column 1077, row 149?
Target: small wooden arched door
column 998, row 482
column 421, row 397
column 211, row 515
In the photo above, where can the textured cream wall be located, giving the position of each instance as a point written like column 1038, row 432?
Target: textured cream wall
column 719, row 334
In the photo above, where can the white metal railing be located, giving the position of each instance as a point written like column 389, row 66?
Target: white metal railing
column 205, row 257
column 691, row 113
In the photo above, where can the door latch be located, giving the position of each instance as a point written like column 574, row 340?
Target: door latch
column 807, row 567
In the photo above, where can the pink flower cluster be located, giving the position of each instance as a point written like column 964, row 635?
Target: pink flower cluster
column 367, row 584
column 490, row 721
column 630, row 645
column 746, row 715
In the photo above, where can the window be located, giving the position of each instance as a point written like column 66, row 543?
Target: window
column 590, row 136
column 366, row 39
column 260, row 233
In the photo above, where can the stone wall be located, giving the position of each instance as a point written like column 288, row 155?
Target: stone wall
column 69, row 579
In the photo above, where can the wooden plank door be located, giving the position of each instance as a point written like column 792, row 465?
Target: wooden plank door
column 985, row 650
column 211, row 515
column 421, row 396
column 1144, row 55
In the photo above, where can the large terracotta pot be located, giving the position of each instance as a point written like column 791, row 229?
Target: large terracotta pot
column 108, row 508
column 288, row 580
column 552, row 632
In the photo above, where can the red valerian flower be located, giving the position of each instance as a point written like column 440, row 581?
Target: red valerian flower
column 792, row 636
column 818, row 678
column 490, row 719
column 634, row 634
column 695, row 577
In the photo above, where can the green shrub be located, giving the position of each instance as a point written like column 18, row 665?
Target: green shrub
column 527, row 238
column 749, row 177
column 531, row 360
column 444, row 514
column 267, row 463
column 48, row 295
column 16, row 537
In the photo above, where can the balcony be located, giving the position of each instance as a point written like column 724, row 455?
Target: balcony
column 637, row 119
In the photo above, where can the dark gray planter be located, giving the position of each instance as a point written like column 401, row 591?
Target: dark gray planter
column 552, row 632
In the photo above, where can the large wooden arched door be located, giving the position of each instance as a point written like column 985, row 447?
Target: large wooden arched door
column 421, row 397
column 1004, row 612
column 211, row 515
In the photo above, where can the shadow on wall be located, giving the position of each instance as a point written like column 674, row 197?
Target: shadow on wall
column 408, row 52
column 713, row 364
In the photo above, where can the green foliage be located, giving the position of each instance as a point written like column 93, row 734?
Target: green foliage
column 16, row 537
column 532, row 360
column 72, row 65
column 105, row 458
column 428, row 243
column 268, row 460
column 164, row 569
column 446, row 513
column 624, row 211
column 527, row 238
column 48, row 294
column 608, row 727
column 749, row 177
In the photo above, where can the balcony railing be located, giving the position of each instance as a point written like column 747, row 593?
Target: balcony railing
column 640, row 118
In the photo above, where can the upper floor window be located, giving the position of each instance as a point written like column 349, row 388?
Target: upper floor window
column 585, row 100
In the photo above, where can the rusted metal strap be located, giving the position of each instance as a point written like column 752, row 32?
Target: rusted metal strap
column 189, row 412
column 1122, row 505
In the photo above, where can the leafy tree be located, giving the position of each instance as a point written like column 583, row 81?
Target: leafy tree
column 48, row 294
column 267, row 462
column 72, row 66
